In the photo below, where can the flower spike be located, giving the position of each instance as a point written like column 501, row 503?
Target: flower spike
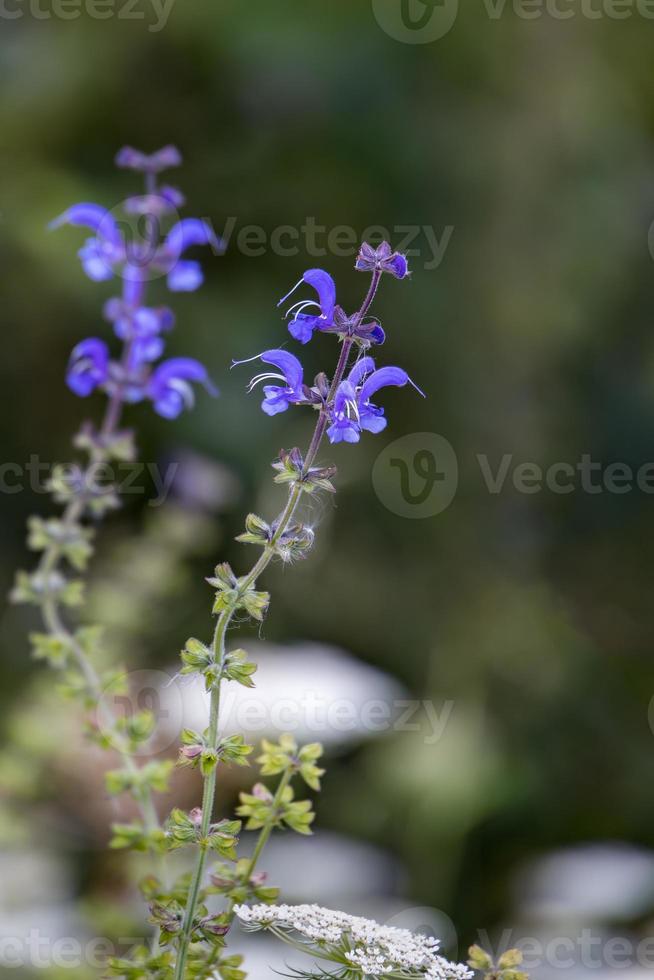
column 105, row 255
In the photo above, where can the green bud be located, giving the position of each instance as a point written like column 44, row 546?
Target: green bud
column 478, row 959
column 509, row 959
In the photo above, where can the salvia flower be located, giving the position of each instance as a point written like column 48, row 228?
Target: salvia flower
column 353, row 410
column 363, row 947
column 325, row 315
column 321, row 315
column 346, row 404
column 184, row 275
column 140, row 326
column 289, row 371
column 102, row 254
column 88, row 367
column 169, row 385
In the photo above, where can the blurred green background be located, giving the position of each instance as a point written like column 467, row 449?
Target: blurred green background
column 533, row 142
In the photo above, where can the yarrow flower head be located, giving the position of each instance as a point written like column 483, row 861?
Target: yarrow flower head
column 139, row 325
column 360, row 947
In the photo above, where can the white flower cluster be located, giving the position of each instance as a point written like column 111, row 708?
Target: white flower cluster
column 370, row 948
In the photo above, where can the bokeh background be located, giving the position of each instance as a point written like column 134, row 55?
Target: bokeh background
column 526, row 619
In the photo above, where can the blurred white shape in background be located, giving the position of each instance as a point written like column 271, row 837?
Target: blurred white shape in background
column 593, row 881
column 318, row 693
column 36, row 906
column 580, row 911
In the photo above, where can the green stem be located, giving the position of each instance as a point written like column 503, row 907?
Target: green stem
column 267, row 829
column 222, row 626
column 262, row 840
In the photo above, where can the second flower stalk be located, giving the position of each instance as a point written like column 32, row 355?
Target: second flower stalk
column 283, row 538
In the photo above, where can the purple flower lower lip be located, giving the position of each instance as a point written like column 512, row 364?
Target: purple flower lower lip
column 185, row 276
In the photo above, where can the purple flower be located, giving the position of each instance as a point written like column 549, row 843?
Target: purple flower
column 140, row 322
column 185, row 275
column 92, row 216
column 133, row 377
column 382, row 259
column 277, row 398
column 153, row 163
column 303, row 324
column 352, row 411
column 88, row 367
column 99, row 255
column 170, row 389
column 164, row 201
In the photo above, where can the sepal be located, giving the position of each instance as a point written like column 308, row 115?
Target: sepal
column 238, row 668
column 290, row 469
column 286, row 756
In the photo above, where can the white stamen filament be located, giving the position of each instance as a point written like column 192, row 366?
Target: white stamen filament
column 290, row 292
column 302, row 305
column 266, row 376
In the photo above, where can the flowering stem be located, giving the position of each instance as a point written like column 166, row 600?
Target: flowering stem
column 222, row 626
column 54, row 623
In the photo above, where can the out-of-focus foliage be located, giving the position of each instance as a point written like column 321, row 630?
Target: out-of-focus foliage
column 532, row 612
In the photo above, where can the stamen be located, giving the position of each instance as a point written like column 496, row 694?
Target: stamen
column 290, row 293
column 302, row 305
column 419, row 390
column 246, row 360
column 266, row 376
